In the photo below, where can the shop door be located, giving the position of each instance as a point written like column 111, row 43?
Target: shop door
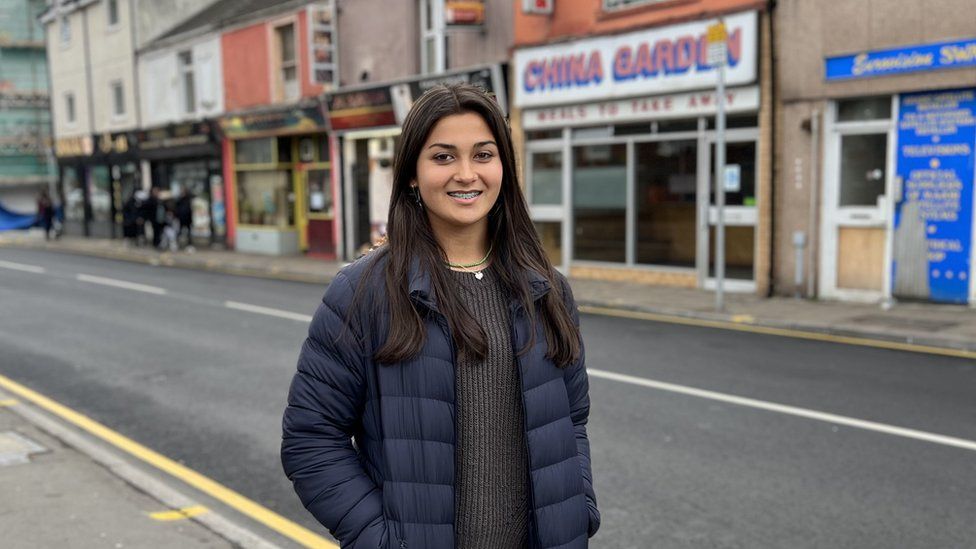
column 740, row 216
column 319, row 218
column 855, row 218
column 545, row 187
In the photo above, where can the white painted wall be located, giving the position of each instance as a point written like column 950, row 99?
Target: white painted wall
column 162, row 82
column 112, row 59
column 67, row 66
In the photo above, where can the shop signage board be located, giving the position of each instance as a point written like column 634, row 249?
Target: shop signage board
column 934, row 216
column 923, row 57
column 662, row 107
column 175, row 135
column 113, row 145
column 291, row 120
column 388, row 104
column 68, row 147
column 651, row 61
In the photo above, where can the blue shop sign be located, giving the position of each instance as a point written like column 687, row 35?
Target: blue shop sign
column 934, row 217
column 923, row 57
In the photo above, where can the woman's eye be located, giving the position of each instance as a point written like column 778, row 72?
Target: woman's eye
column 484, row 155
column 442, row 157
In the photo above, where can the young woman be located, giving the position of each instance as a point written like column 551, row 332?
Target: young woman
column 441, row 397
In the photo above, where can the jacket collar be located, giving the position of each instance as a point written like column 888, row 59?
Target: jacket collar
column 419, row 286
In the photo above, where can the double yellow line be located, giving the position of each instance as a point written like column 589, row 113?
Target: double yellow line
column 206, row 485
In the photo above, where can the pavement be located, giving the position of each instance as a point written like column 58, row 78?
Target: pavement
column 949, row 327
column 64, row 489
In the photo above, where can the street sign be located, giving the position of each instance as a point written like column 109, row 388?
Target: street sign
column 733, row 178
column 717, row 37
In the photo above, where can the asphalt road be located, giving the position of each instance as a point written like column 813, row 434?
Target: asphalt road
column 206, row 384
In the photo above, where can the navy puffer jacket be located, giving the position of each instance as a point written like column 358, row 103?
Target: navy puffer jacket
column 371, row 448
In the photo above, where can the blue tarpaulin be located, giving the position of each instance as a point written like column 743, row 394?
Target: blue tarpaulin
column 12, row 220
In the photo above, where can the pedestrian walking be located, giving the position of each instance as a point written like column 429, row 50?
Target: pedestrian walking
column 184, row 214
column 156, row 215
column 441, row 397
column 45, row 214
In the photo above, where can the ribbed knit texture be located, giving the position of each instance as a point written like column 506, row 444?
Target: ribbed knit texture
column 491, row 502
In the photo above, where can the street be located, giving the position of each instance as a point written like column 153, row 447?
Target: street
column 196, row 366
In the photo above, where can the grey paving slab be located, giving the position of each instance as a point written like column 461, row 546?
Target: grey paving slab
column 58, row 497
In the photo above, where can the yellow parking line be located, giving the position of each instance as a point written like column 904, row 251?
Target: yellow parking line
column 742, row 325
column 8, row 402
column 211, row 487
column 179, row 514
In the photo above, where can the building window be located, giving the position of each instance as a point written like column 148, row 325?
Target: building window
column 287, row 63
column 266, row 198
column 69, row 108
column 617, row 5
column 600, row 202
column 185, row 63
column 863, row 159
column 433, row 40
column 118, row 99
column 113, row 13
column 65, row 31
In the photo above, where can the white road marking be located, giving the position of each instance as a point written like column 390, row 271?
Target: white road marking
column 267, row 311
column 788, row 410
column 22, row 267
column 121, row 284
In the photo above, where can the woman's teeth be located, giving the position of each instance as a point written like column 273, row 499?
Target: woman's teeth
column 466, row 195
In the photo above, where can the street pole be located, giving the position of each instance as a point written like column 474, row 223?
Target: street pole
column 717, row 38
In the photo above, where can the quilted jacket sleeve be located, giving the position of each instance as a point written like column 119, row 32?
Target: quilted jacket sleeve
column 578, row 388
column 325, row 403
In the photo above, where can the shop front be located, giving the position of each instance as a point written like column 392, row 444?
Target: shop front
column 73, row 157
column 96, row 174
column 185, row 157
column 366, row 124
column 280, row 183
column 620, row 148
column 898, row 175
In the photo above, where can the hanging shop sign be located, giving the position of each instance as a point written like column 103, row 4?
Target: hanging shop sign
column 388, row 104
column 923, row 57
column 322, row 43
column 296, row 119
column 647, row 62
column 934, row 219
column 464, row 13
column 661, row 107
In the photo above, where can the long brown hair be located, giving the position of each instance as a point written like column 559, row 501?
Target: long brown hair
column 515, row 244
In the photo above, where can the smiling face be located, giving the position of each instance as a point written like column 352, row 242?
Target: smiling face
column 459, row 173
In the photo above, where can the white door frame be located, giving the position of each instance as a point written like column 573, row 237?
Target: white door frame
column 735, row 216
column 834, row 217
column 558, row 213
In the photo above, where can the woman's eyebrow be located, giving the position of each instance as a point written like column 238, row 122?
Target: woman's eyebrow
column 454, row 147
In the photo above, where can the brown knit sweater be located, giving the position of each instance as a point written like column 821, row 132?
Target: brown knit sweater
column 491, row 501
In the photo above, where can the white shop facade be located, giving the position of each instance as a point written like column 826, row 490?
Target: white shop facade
column 619, row 136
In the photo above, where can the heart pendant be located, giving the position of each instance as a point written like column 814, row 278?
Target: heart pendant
column 479, row 275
